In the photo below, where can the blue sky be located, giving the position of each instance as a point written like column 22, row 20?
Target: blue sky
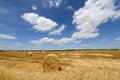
column 59, row 24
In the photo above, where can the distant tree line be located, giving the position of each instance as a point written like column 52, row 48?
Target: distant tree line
column 58, row 50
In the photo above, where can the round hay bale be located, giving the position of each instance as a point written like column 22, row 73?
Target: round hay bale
column 29, row 53
column 51, row 63
column 42, row 51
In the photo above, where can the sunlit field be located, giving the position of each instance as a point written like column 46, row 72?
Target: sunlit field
column 75, row 65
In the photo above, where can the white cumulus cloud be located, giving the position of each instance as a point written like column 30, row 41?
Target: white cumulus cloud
column 39, row 23
column 5, row 36
column 94, row 13
column 57, row 31
column 70, row 7
column 34, row 7
column 52, row 3
column 52, row 40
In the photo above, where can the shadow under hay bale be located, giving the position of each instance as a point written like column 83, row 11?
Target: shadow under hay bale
column 51, row 63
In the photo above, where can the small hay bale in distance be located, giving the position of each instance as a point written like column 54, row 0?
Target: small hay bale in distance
column 51, row 63
column 29, row 53
column 42, row 51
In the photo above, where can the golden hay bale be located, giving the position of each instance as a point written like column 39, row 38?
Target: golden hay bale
column 51, row 63
column 29, row 54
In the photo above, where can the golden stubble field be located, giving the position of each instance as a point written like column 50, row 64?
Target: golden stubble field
column 76, row 65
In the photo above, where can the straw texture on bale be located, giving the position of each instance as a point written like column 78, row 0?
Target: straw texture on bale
column 51, row 63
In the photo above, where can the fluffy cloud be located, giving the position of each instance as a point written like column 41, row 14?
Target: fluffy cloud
column 52, row 40
column 58, row 31
column 52, row 3
column 5, row 36
column 86, row 20
column 70, row 7
column 94, row 13
column 64, row 40
column 34, row 7
column 39, row 23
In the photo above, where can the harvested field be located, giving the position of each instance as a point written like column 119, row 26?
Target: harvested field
column 76, row 65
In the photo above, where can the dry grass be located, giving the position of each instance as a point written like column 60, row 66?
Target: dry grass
column 76, row 65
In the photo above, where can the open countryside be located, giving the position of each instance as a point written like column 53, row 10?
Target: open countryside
column 75, row 65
